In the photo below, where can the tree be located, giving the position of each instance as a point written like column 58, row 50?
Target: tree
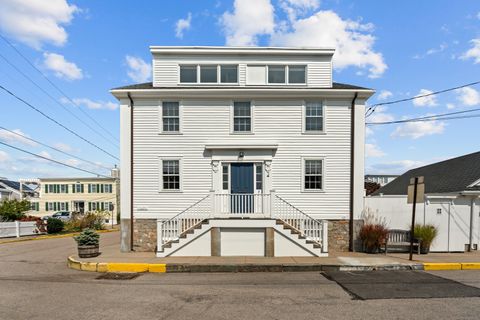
column 11, row 210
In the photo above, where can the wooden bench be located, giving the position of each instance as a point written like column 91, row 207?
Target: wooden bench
column 399, row 239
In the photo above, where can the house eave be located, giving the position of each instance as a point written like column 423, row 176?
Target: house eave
column 207, row 50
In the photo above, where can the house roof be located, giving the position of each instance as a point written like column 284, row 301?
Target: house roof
column 15, row 185
column 149, row 86
column 453, row 175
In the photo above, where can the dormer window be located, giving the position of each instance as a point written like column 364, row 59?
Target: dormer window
column 188, row 74
column 209, row 74
column 291, row 74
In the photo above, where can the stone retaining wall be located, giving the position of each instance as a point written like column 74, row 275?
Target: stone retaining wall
column 144, row 234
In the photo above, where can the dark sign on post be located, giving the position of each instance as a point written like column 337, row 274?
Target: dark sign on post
column 416, row 191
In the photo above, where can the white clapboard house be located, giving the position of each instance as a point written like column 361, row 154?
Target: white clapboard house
column 241, row 151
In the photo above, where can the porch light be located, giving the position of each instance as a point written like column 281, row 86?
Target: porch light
column 241, row 154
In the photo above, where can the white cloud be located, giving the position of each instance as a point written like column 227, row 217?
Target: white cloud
column 4, row 156
column 138, row 69
column 250, row 18
column 293, row 8
column 419, row 129
column 61, row 67
column 10, row 137
column 183, row 25
column 63, row 146
column 450, row 106
column 429, row 101
column 368, row 131
column 373, row 151
column 95, row 105
column 431, row 51
column 353, row 40
column 384, row 94
column 468, row 96
column 394, row 167
column 473, row 52
column 36, row 22
column 380, row 115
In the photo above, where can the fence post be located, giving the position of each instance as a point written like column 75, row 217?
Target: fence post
column 325, row 236
column 17, row 229
column 272, row 203
column 213, row 208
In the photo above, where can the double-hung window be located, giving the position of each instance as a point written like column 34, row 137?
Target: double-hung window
column 170, row 117
column 313, row 175
column 242, row 117
column 314, row 117
column 171, row 174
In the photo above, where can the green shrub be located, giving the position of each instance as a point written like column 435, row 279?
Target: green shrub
column 427, row 233
column 11, row 210
column 89, row 220
column 88, row 237
column 54, row 225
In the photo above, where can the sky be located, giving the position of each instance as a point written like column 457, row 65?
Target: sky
column 84, row 48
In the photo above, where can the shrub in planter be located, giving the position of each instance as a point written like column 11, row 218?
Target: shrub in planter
column 88, row 243
column 426, row 234
column 54, row 225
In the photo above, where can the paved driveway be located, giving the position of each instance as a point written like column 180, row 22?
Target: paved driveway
column 36, row 284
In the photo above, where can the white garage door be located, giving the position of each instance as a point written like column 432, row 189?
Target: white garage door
column 242, row 242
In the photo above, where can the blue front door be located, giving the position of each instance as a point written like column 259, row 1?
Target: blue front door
column 241, row 187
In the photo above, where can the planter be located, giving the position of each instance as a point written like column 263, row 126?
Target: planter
column 88, row 251
column 424, row 249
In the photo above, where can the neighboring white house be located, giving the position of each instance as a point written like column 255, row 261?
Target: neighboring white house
column 452, row 204
column 241, row 151
column 14, row 190
column 381, row 179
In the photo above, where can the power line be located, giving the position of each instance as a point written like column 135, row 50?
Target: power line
column 56, row 149
column 55, row 161
column 442, row 116
column 56, row 101
column 55, row 86
column 372, row 108
column 56, row 122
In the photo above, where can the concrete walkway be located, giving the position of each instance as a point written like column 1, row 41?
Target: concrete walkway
column 111, row 255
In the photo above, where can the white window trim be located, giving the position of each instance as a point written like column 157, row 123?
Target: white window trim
column 304, row 118
column 303, row 159
column 218, row 83
column 180, row 171
column 252, row 118
column 180, row 118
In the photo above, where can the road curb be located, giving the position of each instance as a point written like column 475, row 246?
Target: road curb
column 46, row 237
column 452, row 266
column 118, row 267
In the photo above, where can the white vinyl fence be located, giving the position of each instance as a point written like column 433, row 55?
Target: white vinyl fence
column 18, row 229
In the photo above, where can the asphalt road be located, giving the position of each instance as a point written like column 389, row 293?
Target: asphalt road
column 36, row 284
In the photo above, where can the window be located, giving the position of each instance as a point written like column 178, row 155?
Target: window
column 63, row 188
column 108, row 188
column 170, row 117
column 78, row 188
column 242, row 117
column 188, row 74
column 296, row 74
column 93, row 206
column 228, row 74
column 93, row 188
column 313, row 175
column 258, row 177
column 276, row 74
column 49, row 206
column 225, row 176
column 62, row 206
column 313, row 117
column 171, row 174
column 208, row 74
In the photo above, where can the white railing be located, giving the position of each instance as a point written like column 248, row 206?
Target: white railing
column 242, row 204
column 171, row 229
column 312, row 229
column 18, row 229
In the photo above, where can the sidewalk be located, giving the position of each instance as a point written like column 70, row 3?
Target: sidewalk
column 112, row 260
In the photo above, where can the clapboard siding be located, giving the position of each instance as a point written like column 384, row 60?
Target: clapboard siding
column 165, row 67
column 204, row 122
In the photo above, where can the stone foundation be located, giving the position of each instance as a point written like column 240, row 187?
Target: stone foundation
column 144, row 235
column 338, row 235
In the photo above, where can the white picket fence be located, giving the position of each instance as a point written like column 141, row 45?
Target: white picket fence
column 18, row 229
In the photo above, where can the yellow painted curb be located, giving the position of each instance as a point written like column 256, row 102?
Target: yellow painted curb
column 158, row 267
column 127, row 267
column 471, row 266
column 45, row 237
column 442, row 266
column 102, row 267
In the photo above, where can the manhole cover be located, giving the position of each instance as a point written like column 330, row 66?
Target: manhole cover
column 117, row 276
column 367, row 285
